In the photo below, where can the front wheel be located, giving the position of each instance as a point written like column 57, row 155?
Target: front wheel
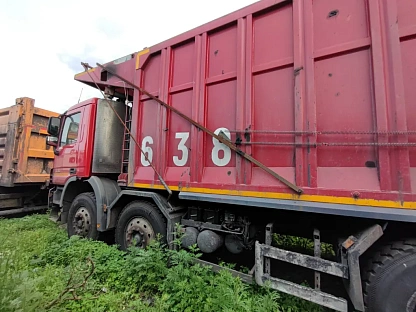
column 389, row 280
column 82, row 219
column 138, row 225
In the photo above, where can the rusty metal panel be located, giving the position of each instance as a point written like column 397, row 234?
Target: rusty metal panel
column 306, row 261
column 108, row 139
column 8, row 124
column 306, row 293
column 24, row 156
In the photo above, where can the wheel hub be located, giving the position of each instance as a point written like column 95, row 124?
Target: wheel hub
column 82, row 222
column 139, row 232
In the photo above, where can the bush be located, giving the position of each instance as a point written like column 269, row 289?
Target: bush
column 42, row 270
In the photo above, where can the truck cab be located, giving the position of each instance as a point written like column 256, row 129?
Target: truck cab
column 72, row 142
column 87, row 141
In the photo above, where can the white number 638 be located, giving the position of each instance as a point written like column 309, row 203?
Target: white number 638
column 182, row 161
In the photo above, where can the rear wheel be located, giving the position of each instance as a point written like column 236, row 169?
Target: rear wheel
column 82, row 219
column 138, row 224
column 389, row 280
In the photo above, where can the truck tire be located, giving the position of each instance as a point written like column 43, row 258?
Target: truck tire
column 138, row 224
column 389, row 279
column 82, row 217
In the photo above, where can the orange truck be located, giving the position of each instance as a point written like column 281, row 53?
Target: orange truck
column 25, row 159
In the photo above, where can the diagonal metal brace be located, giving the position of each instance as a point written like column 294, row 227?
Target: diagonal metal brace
column 209, row 132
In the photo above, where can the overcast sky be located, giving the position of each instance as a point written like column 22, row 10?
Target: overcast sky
column 42, row 42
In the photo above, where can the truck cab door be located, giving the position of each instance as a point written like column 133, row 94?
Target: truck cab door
column 67, row 160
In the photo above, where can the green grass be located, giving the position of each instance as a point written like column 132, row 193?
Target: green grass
column 42, row 270
column 303, row 244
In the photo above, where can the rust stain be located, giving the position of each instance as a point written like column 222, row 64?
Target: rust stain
column 348, row 243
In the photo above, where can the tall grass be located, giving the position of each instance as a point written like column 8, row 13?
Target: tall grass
column 42, row 270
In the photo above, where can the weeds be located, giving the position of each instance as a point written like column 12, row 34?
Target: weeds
column 42, row 270
column 304, row 244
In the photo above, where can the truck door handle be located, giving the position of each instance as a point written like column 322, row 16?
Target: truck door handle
column 72, row 171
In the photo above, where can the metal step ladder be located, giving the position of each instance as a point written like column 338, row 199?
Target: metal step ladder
column 126, row 141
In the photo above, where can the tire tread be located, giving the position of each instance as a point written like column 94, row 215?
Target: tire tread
column 384, row 256
column 154, row 210
column 91, row 196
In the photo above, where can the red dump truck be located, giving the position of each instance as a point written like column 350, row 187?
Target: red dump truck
column 25, row 159
column 288, row 117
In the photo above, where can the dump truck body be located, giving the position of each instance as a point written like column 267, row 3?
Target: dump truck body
column 25, row 159
column 309, row 100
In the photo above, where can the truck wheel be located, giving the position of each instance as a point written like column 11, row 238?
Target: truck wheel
column 138, row 224
column 82, row 219
column 389, row 280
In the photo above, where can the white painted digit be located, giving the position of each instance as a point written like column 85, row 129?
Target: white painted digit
column 217, row 159
column 180, row 162
column 218, row 146
column 147, row 150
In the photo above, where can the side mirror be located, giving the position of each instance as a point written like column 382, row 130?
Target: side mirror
column 52, row 141
column 53, row 126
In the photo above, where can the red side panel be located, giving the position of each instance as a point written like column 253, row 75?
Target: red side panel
column 220, row 103
column 344, row 94
column 149, row 115
column 407, row 32
column 322, row 92
column 273, row 106
column 179, row 132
